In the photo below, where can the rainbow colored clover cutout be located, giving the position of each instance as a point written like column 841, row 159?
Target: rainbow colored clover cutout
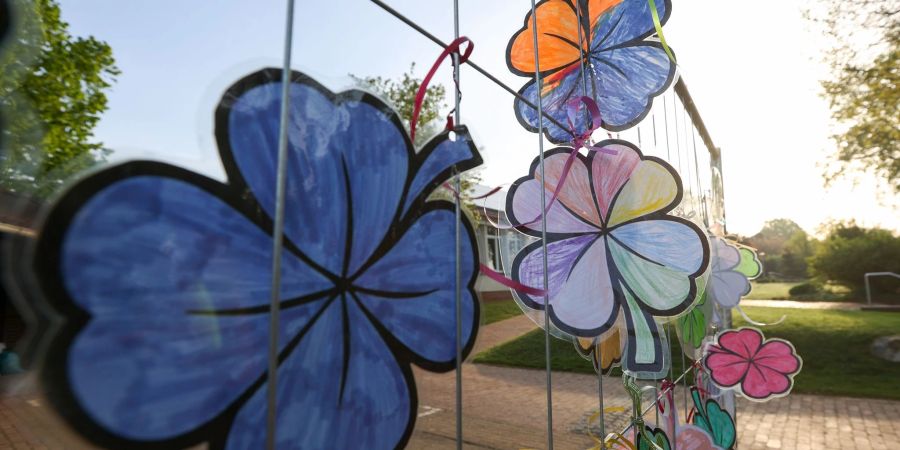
column 163, row 277
column 612, row 247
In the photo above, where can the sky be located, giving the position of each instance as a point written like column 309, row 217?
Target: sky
column 753, row 74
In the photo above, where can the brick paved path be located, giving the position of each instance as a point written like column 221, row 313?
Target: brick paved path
column 505, row 409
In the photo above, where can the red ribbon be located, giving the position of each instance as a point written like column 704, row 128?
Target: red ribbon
column 667, row 387
column 510, row 283
column 420, row 94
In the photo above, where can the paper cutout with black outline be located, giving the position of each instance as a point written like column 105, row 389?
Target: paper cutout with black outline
column 745, row 361
column 612, row 246
column 164, row 275
column 624, row 70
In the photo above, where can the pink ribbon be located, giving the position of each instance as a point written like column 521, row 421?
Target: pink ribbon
column 420, row 94
column 578, row 142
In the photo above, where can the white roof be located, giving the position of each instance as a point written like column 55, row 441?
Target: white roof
column 494, row 202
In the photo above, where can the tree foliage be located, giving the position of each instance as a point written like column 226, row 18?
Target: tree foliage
column 784, row 248
column 774, row 235
column 53, row 94
column 849, row 252
column 864, row 91
column 401, row 94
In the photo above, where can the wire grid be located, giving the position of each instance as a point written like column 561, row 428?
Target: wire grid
column 703, row 202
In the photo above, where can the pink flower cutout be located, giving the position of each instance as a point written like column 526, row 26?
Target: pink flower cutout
column 758, row 370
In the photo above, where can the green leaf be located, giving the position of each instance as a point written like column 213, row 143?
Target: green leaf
column 656, row 435
column 749, row 265
column 714, row 420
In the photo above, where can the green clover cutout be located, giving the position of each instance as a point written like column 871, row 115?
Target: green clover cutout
column 658, row 436
column 714, row 420
column 749, row 265
column 693, row 324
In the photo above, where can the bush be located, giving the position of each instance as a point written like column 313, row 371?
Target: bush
column 850, row 251
column 805, row 289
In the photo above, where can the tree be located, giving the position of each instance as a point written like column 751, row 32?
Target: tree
column 865, row 89
column 774, row 235
column 53, row 94
column 401, row 94
column 849, row 251
column 797, row 250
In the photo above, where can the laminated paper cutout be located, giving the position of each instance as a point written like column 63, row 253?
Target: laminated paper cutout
column 757, row 368
column 713, row 427
column 605, row 351
column 164, row 275
column 692, row 326
column 713, row 421
column 750, row 265
column 623, row 70
column 612, row 247
column 727, row 284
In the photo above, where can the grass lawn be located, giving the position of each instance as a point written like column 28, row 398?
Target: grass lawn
column 497, row 310
column 834, row 346
column 770, row 291
column 829, row 293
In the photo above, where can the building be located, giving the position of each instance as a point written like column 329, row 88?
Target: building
column 497, row 242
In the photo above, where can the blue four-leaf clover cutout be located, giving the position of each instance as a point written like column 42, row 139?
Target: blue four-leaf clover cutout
column 609, row 59
column 163, row 277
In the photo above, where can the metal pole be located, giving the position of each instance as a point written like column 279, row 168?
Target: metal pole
column 458, row 212
column 278, row 231
column 868, row 291
column 598, row 348
column 540, row 132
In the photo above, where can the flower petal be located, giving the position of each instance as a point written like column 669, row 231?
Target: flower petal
column 664, row 291
column 726, row 368
column 166, row 287
column 762, row 382
column 727, row 287
column 609, row 172
column 653, row 186
column 673, row 243
column 528, row 266
column 749, row 265
column 744, row 342
column 557, row 24
column 779, row 356
column 523, row 206
column 150, row 245
column 585, row 304
column 339, row 387
column 348, row 160
column 725, row 255
column 576, row 192
column 557, row 90
column 436, row 161
column 627, row 79
column 628, row 20
column 162, row 376
column 411, row 290
column 426, row 324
